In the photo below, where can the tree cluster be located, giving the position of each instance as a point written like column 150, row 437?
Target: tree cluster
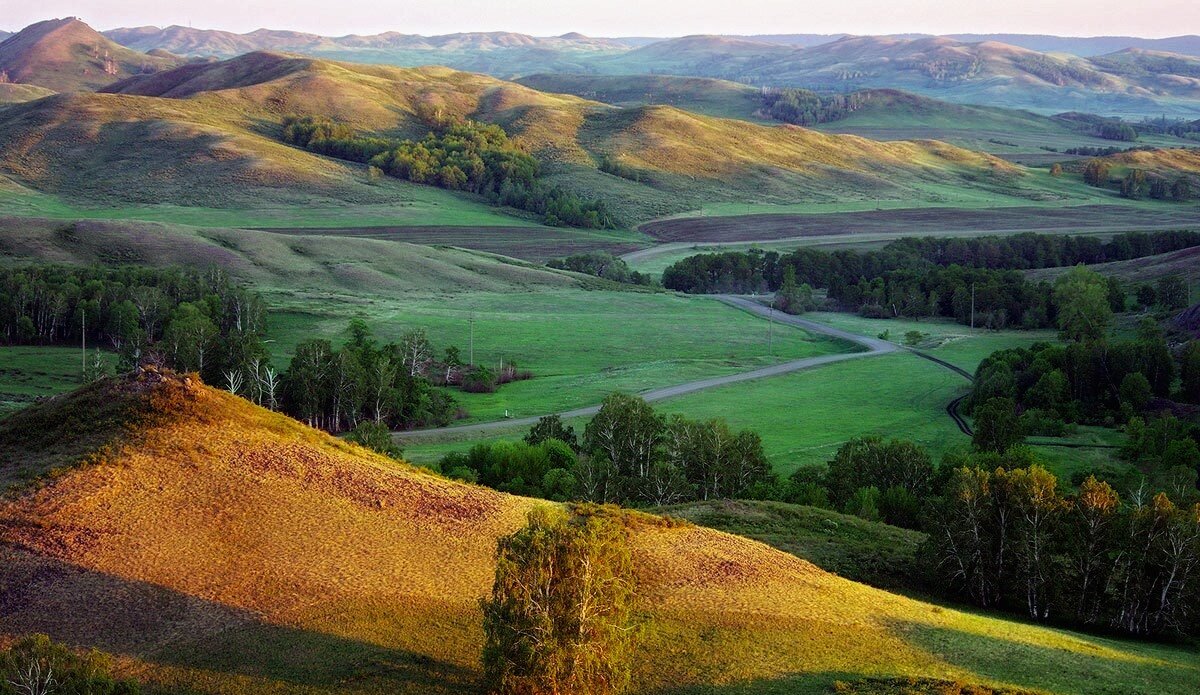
column 628, row 454
column 919, row 277
column 188, row 320
column 392, row 384
column 601, row 264
column 1004, row 535
column 806, row 108
column 460, row 156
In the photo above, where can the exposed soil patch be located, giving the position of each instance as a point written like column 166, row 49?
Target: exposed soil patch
column 919, row 222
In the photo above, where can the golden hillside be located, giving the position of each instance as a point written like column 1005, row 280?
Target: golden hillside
column 207, row 135
column 223, row 548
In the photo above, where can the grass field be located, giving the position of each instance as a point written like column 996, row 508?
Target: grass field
column 414, row 206
column 29, row 372
column 580, row 345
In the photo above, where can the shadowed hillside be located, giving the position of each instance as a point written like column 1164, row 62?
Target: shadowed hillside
column 223, row 548
column 67, row 55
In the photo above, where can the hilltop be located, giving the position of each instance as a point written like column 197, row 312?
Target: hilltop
column 66, row 55
column 216, row 545
column 11, row 93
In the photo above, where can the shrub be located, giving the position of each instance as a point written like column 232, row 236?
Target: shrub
column 37, row 665
column 560, row 617
column 376, row 437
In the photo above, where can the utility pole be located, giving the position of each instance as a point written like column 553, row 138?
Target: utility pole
column 82, row 342
column 471, row 350
column 770, row 333
column 972, row 305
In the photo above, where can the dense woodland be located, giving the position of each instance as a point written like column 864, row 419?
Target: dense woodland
column 460, row 156
column 806, row 108
column 189, row 320
column 970, row 280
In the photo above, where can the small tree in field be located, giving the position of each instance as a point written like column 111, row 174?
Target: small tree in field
column 559, row 619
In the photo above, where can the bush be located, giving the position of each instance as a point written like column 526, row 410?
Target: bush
column 37, row 665
column 560, row 617
column 376, row 437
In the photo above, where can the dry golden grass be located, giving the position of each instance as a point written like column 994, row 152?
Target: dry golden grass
column 227, row 549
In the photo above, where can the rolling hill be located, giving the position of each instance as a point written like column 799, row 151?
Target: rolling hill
column 218, row 547
column 66, row 55
column 221, row 121
column 702, row 95
column 11, row 93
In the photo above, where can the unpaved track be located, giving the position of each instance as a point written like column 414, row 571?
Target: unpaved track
column 871, row 347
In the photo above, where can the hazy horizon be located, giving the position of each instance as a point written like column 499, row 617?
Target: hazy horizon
column 627, row 18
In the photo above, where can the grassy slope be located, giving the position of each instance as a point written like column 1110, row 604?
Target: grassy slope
column 222, row 548
column 66, row 55
column 582, row 338
column 30, row 372
column 11, row 93
column 860, row 550
column 221, row 118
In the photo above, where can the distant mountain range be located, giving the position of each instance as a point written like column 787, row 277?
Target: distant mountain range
column 1140, row 79
column 189, row 41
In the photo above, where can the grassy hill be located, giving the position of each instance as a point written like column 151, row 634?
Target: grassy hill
column 702, row 95
column 11, row 93
column 220, row 548
column 67, row 55
column 215, row 127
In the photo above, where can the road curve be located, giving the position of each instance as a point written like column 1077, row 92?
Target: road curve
column 872, row 347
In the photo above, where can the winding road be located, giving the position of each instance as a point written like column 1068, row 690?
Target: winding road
column 871, row 348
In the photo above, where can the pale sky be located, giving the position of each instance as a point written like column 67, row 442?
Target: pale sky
column 1148, row 18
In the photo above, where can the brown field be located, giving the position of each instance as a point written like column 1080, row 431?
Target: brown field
column 217, row 547
column 537, row 244
column 921, row 222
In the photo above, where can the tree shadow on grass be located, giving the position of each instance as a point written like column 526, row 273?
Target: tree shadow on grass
column 1067, row 662
column 214, row 642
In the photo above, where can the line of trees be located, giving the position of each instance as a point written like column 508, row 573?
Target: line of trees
column 628, row 454
column 969, row 280
column 188, row 320
column 1005, row 533
column 601, row 264
column 460, row 156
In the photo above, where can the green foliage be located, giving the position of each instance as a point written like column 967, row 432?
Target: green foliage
column 1190, row 372
column 37, row 666
column 190, row 320
column 792, row 298
column 1005, row 535
column 560, row 616
column 390, row 385
column 376, row 437
column 1172, row 292
column 870, row 461
column 997, row 426
column 552, row 427
column 1084, row 313
column 601, row 264
column 970, row 280
column 460, row 156
column 806, row 108
column 520, row 467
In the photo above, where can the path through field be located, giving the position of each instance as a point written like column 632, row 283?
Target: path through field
column 871, row 347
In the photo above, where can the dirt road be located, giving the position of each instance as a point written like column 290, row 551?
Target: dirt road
column 870, row 347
